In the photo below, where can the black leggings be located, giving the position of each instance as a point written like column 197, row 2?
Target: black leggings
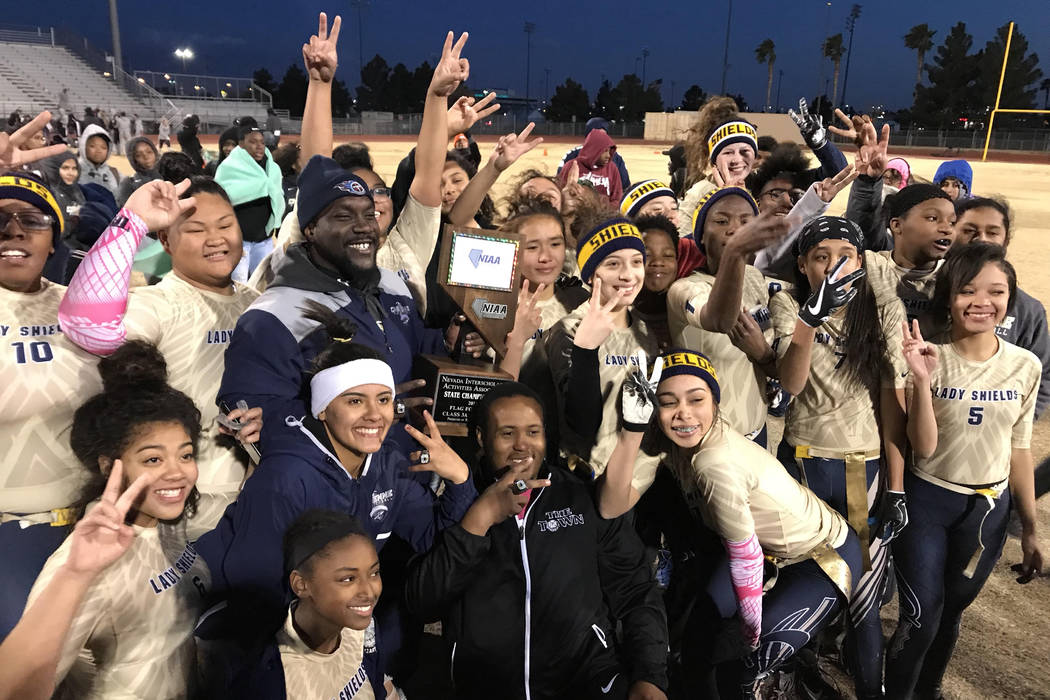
column 929, row 557
column 803, row 602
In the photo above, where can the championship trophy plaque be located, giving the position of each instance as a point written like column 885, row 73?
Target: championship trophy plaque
column 478, row 269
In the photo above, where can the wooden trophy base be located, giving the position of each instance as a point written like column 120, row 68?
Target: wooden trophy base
column 455, row 387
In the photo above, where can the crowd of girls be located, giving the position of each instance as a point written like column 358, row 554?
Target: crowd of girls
column 224, row 488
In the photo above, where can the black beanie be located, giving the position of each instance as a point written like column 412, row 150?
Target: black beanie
column 897, row 205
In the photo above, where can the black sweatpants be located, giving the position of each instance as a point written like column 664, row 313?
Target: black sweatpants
column 929, row 557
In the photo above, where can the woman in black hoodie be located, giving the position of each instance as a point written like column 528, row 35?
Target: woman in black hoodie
column 62, row 173
column 143, row 157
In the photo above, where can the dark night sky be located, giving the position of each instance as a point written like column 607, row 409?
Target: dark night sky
column 583, row 40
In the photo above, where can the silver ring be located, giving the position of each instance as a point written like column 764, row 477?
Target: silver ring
column 519, row 487
column 424, row 456
column 399, row 408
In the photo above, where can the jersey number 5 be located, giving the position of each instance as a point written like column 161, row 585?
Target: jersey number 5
column 976, row 415
column 39, row 351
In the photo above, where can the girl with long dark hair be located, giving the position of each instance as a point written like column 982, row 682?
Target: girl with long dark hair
column 970, row 408
column 836, row 347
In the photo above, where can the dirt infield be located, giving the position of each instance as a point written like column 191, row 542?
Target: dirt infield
column 1003, row 649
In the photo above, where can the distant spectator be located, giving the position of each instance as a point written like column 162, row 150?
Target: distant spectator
column 137, row 122
column 272, row 132
column 61, row 173
column 143, row 156
column 253, row 181
column 123, row 122
column 287, row 159
column 352, row 156
column 95, row 149
column 64, row 101
column 164, row 133
column 174, row 167
column 227, row 142
column 595, row 160
column 603, row 124
column 188, row 141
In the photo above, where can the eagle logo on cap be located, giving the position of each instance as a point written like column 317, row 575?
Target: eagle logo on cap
column 353, row 187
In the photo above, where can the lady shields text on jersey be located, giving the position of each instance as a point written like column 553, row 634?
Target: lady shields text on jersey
column 952, row 393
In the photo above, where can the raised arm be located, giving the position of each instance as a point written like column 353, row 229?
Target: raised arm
column 92, row 310
column 922, row 360
column 509, row 149
column 42, row 646
column 722, row 309
column 321, row 59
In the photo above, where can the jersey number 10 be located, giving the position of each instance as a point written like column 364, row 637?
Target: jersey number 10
column 39, row 351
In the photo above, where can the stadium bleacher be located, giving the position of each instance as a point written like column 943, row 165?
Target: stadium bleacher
column 33, row 71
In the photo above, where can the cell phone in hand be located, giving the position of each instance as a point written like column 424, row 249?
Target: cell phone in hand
column 235, row 425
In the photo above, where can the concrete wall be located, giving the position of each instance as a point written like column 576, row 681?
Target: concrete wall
column 670, row 126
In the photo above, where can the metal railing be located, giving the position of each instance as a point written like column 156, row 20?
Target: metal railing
column 967, row 139
column 27, row 35
column 188, row 86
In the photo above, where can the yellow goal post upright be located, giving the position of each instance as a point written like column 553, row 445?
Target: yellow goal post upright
column 998, row 94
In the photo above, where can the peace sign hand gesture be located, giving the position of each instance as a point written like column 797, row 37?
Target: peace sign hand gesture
column 639, row 394
column 511, row 147
column 101, row 537
column 319, row 55
column 599, row 321
column 11, row 158
column 465, row 112
column 832, row 295
column 920, row 355
column 853, row 126
column 451, row 70
column 527, row 318
column 157, row 203
column 831, row 186
column 436, row 456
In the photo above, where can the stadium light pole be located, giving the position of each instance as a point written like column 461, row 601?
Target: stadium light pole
column 851, row 24
column 725, row 55
column 358, row 4
column 114, row 27
column 530, row 27
column 645, row 55
column 823, row 38
column 185, row 54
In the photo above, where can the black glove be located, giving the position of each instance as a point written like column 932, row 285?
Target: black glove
column 830, row 296
column 894, row 515
column 811, row 126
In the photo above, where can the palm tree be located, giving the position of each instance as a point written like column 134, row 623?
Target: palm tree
column 766, row 53
column 919, row 38
column 1045, row 87
column 833, row 49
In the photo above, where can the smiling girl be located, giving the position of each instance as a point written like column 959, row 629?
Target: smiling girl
column 970, row 407
column 837, row 354
column 591, row 350
column 189, row 315
column 112, row 613
column 758, row 511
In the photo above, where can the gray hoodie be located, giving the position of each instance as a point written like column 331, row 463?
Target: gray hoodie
column 1025, row 327
column 101, row 174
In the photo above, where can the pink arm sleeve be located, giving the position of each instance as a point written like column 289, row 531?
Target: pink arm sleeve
column 92, row 311
column 745, row 568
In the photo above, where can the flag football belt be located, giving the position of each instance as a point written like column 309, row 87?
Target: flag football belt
column 59, row 517
column 829, row 561
column 856, row 488
column 990, row 494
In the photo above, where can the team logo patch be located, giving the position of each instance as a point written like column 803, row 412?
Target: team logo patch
column 477, row 256
column 554, row 520
column 353, row 187
column 380, row 505
column 487, row 309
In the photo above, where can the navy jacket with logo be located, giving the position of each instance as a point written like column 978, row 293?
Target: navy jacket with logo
column 534, row 603
column 273, row 344
column 299, row 472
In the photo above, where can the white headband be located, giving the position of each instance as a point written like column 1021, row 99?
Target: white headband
column 330, row 383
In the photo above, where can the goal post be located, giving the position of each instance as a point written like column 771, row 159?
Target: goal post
column 998, row 94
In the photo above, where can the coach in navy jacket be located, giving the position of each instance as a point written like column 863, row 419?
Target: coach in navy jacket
column 273, row 344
